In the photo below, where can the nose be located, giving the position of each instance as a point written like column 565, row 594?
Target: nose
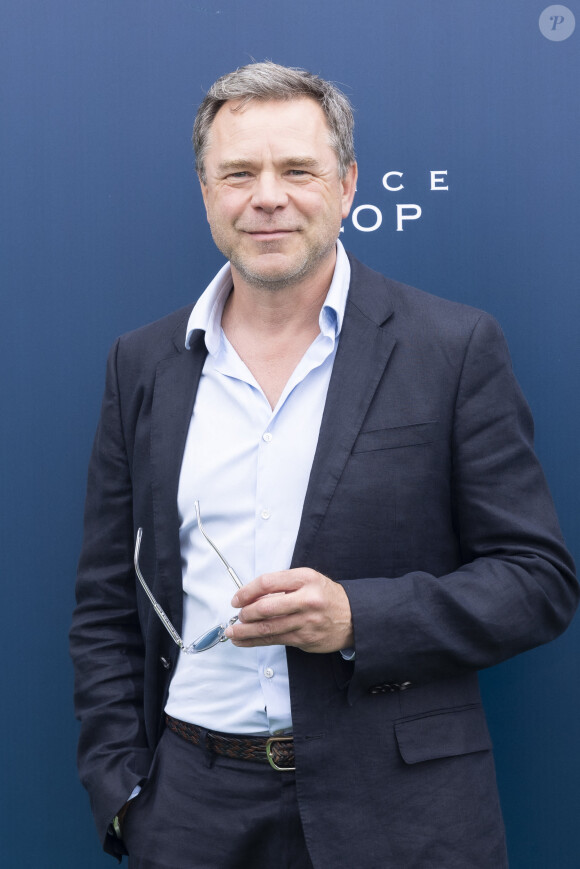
column 269, row 192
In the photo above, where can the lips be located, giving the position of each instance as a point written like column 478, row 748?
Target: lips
column 269, row 235
column 269, row 231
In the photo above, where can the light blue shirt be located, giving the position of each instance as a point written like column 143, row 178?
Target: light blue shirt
column 248, row 465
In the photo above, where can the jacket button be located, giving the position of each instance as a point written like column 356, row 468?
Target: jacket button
column 165, row 662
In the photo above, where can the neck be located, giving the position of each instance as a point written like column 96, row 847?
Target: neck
column 295, row 307
column 272, row 329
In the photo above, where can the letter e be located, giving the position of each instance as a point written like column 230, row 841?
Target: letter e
column 437, row 179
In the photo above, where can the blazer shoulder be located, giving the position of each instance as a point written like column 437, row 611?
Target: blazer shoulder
column 372, row 292
column 155, row 341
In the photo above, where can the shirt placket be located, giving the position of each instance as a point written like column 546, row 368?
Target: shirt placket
column 269, row 524
column 269, row 662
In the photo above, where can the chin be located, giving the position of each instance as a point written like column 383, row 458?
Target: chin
column 282, row 274
column 269, row 278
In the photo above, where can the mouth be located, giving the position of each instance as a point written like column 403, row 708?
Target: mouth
column 269, row 234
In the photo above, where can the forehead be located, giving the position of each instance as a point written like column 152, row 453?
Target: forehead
column 283, row 124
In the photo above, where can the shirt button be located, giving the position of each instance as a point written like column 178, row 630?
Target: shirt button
column 267, row 437
column 268, row 672
column 265, row 514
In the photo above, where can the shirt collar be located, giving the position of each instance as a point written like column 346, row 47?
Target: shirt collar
column 207, row 311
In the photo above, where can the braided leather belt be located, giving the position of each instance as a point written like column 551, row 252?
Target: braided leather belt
column 278, row 751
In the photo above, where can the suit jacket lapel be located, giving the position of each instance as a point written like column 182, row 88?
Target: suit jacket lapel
column 176, row 383
column 363, row 351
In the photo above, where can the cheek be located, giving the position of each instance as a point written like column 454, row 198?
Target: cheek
column 233, row 207
column 218, row 215
column 224, row 204
column 320, row 205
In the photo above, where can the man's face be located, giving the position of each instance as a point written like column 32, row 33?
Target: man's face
column 273, row 195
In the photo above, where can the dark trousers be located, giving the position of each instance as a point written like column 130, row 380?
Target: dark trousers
column 202, row 811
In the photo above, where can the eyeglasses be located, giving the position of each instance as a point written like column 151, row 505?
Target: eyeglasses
column 216, row 634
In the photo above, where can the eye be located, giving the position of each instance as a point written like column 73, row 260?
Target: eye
column 298, row 173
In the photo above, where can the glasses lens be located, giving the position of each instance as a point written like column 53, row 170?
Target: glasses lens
column 211, row 638
column 207, row 640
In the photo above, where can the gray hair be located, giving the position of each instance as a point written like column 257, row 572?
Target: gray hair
column 269, row 81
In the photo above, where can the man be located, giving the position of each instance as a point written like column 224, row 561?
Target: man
column 360, row 453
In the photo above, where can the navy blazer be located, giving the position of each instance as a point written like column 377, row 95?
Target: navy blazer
column 425, row 500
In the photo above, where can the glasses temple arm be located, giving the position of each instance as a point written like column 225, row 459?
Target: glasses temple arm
column 157, row 607
column 229, row 569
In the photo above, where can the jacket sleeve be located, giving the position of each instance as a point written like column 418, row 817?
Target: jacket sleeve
column 105, row 639
column 515, row 587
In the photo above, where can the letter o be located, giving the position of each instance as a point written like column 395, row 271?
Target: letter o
column 377, row 223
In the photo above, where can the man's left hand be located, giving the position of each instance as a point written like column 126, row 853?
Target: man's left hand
column 298, row 607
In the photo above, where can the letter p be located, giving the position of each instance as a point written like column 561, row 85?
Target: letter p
column 414, row 214
column 557, row 19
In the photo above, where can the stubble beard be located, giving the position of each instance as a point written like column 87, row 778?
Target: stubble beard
column 275, row 281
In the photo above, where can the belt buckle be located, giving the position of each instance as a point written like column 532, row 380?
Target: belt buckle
column 271, row 760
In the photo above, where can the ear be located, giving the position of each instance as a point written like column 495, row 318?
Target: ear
column 348, row 188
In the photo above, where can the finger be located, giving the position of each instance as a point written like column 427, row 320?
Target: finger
column 279, row 582
column 264, row 633
column 280, row 632
column 273, row 606
column 275, row 616
column 273, row 634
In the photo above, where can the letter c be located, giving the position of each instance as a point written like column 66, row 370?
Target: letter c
column 386, row 181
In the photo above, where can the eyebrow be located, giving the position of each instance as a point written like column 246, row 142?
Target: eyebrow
column 286, row 162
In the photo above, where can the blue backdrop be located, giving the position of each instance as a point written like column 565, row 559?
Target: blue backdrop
column 102, row 230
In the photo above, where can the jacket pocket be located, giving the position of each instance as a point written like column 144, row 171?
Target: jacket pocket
column 443, row 733
column 397, row 436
